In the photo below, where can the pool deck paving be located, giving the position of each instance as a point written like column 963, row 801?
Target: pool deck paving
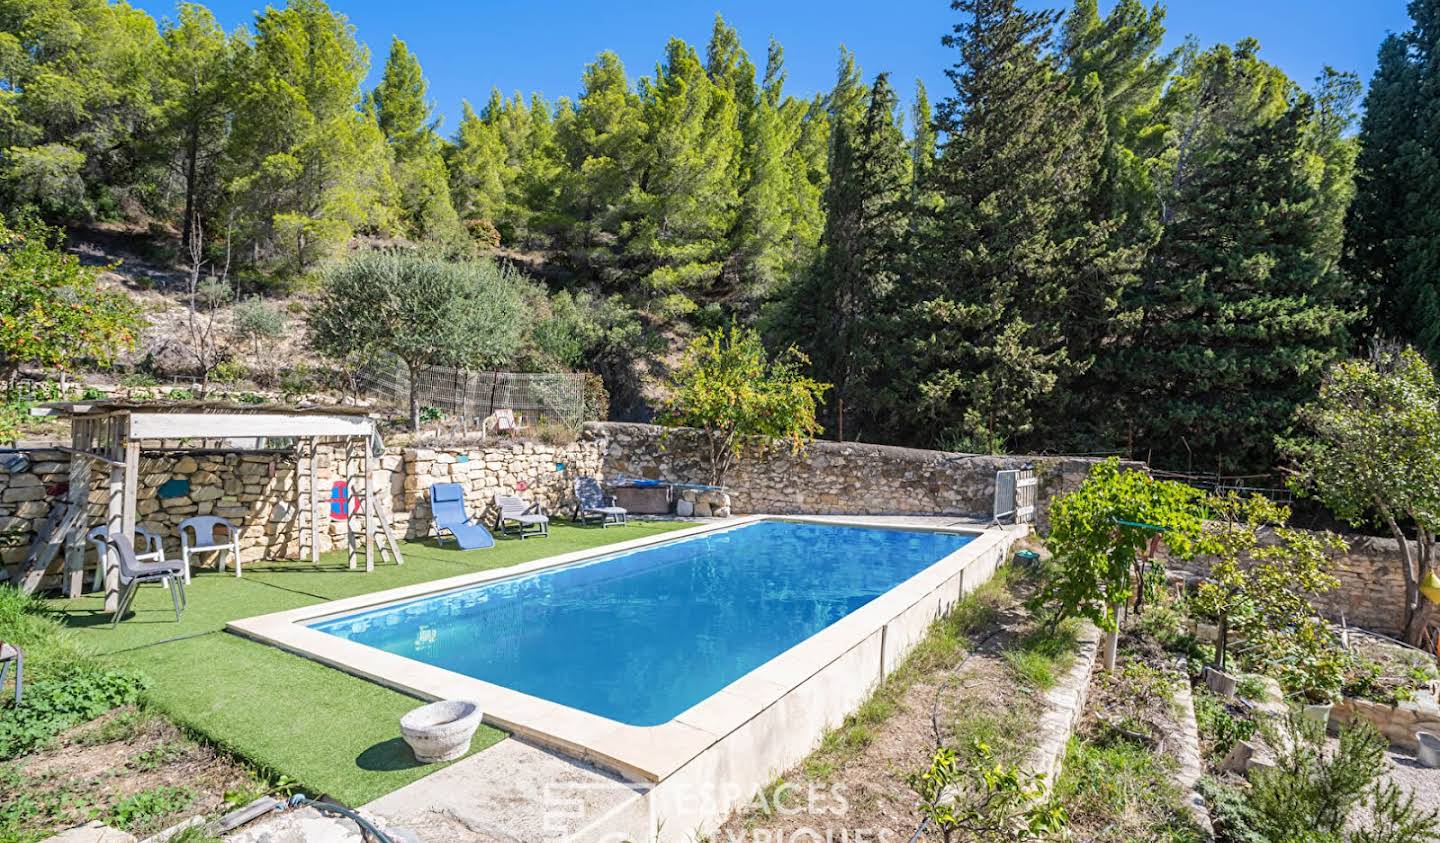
column 516, row 790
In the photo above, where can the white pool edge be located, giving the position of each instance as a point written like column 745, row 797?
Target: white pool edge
column 791, row 699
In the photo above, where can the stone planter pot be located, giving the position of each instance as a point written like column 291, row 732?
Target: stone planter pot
column 440, row 731
column 1319, row 713
column 1429, row 752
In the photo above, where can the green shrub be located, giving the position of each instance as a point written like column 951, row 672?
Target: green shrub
column 141, row 809
column 65, row 687
column 1319, row 795
column 132, row 380
column 229, row 371
column 1221, row 727
column 52, row 705
column 985, row 800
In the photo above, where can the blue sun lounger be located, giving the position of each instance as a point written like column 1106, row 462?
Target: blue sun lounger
column 447, row 507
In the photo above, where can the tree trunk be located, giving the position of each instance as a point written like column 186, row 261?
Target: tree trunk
column 1412, row 619
column 192, row 166
column 414, row 399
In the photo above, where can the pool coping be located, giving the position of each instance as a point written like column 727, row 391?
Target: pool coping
column 647, row 754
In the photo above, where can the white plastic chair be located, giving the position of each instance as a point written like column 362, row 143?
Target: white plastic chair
column 148, row 539
column 197, row 535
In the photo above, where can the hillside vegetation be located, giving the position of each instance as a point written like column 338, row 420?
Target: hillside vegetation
column 1087, row 243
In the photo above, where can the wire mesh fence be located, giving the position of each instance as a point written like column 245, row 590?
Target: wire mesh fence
column 467, row 398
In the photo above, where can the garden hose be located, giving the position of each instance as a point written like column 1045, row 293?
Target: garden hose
column 300, row 800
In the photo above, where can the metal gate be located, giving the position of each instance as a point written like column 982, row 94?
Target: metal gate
column 1015, row 496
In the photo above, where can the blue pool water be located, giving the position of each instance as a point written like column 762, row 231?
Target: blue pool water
column 640, row 637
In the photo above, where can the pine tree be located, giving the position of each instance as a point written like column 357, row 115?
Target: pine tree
column 200, row 65
column 690, row 196
column 309, row 167
column 603, row 148
column 399, row 103
column 1394, row 234
column 1242, row 312
column 404, row 117
column 806, row 128
column 1333, row 149
column 986, row 323
column 477, row 186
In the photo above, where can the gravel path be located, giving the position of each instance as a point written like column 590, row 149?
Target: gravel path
column 1424, row 782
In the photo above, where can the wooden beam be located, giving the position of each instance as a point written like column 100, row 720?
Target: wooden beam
column 244, row 425
column 132, row 485
column 80, row 452
column 115, row 509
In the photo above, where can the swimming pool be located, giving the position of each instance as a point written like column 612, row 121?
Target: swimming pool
column 641, row 636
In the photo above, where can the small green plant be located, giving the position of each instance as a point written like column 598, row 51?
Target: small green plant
column 132, row 380
column 1124, row 786
column 139, row 810
column 229, row 371
column 1219, row 726
column 985, row 800
column 180, row 395
column 431, row 414
column 51, row 705
column 158, row 756
column 122, row 725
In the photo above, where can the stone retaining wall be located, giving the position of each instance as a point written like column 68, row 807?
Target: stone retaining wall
column 539, row 473
column 257, row 492
column 1372, row 584
column 1399, row 723
column 834, row 478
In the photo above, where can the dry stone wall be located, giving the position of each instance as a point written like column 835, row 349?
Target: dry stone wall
column 1372, row 584
column 539, row 473
column 258, row 492
column 834, row 478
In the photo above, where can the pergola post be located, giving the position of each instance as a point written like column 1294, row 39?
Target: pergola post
column 115, row 508
column 78, row 497
column 369, row 491
column 349, row 477
column 314, row 500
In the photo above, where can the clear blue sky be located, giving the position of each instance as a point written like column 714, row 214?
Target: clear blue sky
column 468, row 47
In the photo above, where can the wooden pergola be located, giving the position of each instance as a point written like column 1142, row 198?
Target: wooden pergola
column 110, row 435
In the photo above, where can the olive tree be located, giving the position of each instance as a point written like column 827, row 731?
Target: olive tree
column 1371, row 453
column 424, row 310
column 729, row 387
column 256, row 321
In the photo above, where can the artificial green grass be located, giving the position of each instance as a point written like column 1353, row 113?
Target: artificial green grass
column 324, row 729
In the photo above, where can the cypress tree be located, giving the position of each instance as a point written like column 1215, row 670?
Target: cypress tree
column 986, row 323
column 840, row 314
column 1118, row 75
column 1242, row 312
column 1394, row 231
column 922, row 143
